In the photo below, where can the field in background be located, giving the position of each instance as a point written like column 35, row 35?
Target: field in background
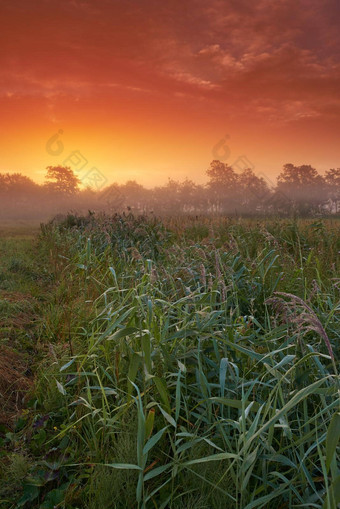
column 15, row 229
column 190, row 362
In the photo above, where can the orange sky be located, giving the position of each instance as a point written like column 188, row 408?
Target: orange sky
column 145, row 89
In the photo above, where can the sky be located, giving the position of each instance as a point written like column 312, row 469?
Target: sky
column 147, row 90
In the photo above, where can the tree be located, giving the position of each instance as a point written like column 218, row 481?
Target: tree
column 332, row 178
column 254, row 190
column 191, row 196
column 19, row 195
column 16, row 183
column 167, row 198
column 133, row 193
column 63, row 180
column 224, row 185
column 303, row 186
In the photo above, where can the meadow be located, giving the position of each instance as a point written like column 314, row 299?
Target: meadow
column 187, row 362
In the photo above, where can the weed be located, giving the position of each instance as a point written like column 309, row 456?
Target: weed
column 187, row 364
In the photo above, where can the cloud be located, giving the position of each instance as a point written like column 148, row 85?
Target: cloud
column 281, row 55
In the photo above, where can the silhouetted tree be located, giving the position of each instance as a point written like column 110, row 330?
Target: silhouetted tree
column 16, row 183
column 223, row 185
column 254, row 191
column 303, row 186
column 188, row 195
column 63, row 180
column 167, row 199
column 18, row 195
column 111, row 199
column 299, row 188
column 133, row 195
column 332, row 178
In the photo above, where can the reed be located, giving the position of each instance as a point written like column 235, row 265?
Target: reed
column 196, row 376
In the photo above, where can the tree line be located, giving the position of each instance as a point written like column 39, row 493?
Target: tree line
column 299, row 190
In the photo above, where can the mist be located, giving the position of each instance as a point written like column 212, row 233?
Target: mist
column 299, row 190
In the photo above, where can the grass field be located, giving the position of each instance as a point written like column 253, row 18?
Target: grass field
column 183, row 363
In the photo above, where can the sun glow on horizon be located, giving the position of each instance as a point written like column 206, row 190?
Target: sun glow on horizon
column 155, row 103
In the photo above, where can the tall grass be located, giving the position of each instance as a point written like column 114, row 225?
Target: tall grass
column 194, row 363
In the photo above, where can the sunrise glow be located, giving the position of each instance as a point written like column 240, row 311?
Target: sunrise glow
column 145, row 90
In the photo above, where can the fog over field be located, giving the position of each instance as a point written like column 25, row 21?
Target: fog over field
column 298, row 190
